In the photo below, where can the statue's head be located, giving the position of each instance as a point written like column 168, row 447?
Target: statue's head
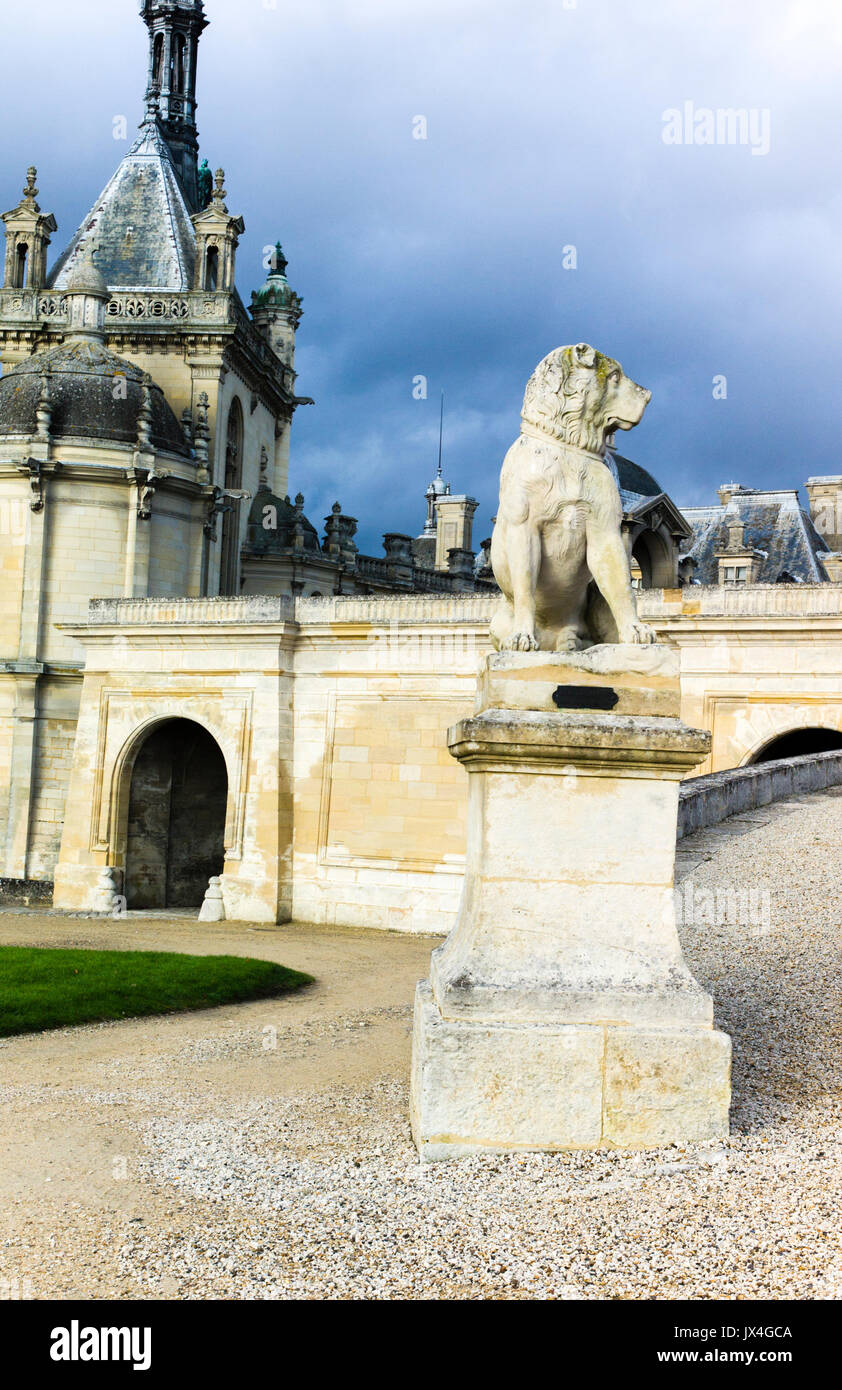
column 579, row 396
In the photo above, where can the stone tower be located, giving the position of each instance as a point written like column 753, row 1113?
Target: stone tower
column 28, row 232
column 175, row 27
column 166, row 243
column 140, row 409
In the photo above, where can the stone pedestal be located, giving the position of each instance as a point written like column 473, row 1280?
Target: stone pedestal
column 560, row 1013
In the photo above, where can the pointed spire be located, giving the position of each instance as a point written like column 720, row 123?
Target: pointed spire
column 175, row 28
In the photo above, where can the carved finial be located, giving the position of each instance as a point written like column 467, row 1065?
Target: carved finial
column 202, row 435
column 264, row 464
column 153, row 103
column 219, row 191
column 297, row 527
column 336, row 508
column 144, row 416
column 279, row 261
column 30, row 191
column 44, row 408
column 187, row 424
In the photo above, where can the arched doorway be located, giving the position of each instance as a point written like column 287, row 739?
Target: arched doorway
column 176, row 817
column 798, row 743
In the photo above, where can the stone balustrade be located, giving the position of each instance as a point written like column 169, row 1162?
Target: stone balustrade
column 741, row 601
column 442, row 606
column 124, row 306
column 135, row 612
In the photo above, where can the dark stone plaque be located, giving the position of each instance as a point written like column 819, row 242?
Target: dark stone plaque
column 585, row 697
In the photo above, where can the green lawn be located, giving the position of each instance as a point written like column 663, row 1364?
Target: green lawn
column 42, row 988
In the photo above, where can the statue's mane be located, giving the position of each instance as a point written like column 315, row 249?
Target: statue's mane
column 556, row 402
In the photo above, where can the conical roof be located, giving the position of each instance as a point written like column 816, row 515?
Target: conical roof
column 140, row 226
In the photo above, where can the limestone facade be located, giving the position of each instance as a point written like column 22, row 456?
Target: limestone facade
column 145, row 420
column 344, row 805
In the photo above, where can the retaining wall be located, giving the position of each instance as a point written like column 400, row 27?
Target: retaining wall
column 705, row 801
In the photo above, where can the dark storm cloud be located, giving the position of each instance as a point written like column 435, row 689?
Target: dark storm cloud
column 444, row 257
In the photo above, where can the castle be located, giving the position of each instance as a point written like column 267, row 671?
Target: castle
column 193, row 682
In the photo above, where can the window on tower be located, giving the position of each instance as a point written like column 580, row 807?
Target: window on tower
column 158, row 61
column 20, row 265
column 179, row 74
column 212, row 268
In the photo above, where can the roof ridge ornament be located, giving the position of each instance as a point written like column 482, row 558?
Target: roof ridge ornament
column 219, row 192
column 30, row 191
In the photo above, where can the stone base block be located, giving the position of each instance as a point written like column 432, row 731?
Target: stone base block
column 498, row 1086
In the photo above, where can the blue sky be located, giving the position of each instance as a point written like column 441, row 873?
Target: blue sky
column 444, row 257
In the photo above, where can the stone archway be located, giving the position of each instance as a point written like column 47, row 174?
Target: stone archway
column 796, row 743
column 655, row 559
column 175, row 835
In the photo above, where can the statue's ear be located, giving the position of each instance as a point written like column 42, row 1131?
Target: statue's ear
column 585, row 355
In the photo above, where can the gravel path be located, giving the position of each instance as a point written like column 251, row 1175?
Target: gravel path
column 263, row 1152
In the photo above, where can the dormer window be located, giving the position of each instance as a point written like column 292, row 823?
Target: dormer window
column 736, row 574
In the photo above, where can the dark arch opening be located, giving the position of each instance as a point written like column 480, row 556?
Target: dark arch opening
column 798, row 743
column 212, row 268
column 229, row 577
column 158, row 60
column 21, row 264
column 179, row 64
column 176, row 825
column 651, row 555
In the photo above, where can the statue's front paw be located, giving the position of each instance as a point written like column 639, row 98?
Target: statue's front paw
column 638, row 632
column 522, row 642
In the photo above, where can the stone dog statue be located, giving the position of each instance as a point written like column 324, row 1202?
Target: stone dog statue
column 559, row 521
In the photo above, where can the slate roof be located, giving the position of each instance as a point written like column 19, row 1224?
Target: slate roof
column 775, row 523
column 140, row 226
column 632, row 480
column 270, row 542
column 83, row 400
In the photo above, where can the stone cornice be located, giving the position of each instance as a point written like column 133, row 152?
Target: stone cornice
column 109, row 473
column 597, row 744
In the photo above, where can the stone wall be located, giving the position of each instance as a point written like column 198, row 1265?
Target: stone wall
column 333, row 715
column 705, row 801
column 53, row 762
